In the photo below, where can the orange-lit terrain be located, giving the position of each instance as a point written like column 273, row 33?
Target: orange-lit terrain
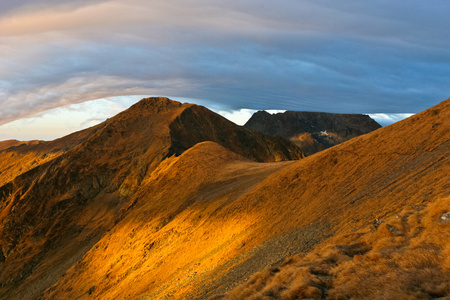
column 406, row 257
column 18, row 157
column 170, row 201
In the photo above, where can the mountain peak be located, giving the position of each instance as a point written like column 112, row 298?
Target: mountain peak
column 155, row 203
column 312, row 131
column 156, row 104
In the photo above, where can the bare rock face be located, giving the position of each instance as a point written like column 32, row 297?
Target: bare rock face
column 312, row 131
column 445, row 218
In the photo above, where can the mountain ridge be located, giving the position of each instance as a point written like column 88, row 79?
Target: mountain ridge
column 200, row 223
column 53, row 202
column 312, row 131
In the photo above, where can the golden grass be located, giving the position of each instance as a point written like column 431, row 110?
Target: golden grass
column 407, row 257
column 179, row 225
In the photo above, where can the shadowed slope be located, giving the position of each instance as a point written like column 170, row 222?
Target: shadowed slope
column 57, row 208
column 197, row 124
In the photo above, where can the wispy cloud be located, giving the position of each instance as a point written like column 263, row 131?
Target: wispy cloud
column 353, row 56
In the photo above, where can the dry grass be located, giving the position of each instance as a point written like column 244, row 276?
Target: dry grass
column 175, row 227
column 407, row 257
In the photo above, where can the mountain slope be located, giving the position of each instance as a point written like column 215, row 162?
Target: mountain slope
column 402, row 256
column 18, row 157
column 174, row 230
column 120, row 217
column 55, row 210
column 397, row 179
column 196, row 125
column 203, row 222
column 312, row 131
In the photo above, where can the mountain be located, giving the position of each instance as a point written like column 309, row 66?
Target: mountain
column 17, row 157
column 134, row 212
column 387, row 196
column 58, row 198
column 312, row 131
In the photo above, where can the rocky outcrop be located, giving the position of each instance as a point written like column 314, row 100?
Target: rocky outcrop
column 312, row 131
column 445, row 218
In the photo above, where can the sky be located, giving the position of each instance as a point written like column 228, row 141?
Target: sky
column 386, row 58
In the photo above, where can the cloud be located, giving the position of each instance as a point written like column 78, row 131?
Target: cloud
column 388, row 119
column 239, row 117
column 357, row 56
column 58, row 122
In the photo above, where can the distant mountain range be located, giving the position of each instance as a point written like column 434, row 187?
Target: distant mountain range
column 171, row 201
column 312, row 131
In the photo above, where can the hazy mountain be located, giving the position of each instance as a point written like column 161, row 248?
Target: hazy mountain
column 167, row 201
column 312, row 131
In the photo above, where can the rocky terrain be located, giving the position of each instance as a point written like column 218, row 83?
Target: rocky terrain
column 312, row 131
column 171, row 201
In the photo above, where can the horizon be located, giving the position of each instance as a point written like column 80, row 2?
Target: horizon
column 59, row 122
column 386, row 57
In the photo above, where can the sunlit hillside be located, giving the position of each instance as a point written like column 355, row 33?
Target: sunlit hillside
column 169, row 201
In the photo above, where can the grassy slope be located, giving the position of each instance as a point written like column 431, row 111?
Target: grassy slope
column 56, row 210
column 398, row 174
column 207, row 213
column 52, row 214
column 175, row 230
column 18, row 157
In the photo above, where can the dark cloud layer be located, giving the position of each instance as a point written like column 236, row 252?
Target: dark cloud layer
column 352, row 56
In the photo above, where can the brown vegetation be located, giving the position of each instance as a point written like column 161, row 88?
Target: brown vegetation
column 119, row 217
column 405, row 256
column 59, row 204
